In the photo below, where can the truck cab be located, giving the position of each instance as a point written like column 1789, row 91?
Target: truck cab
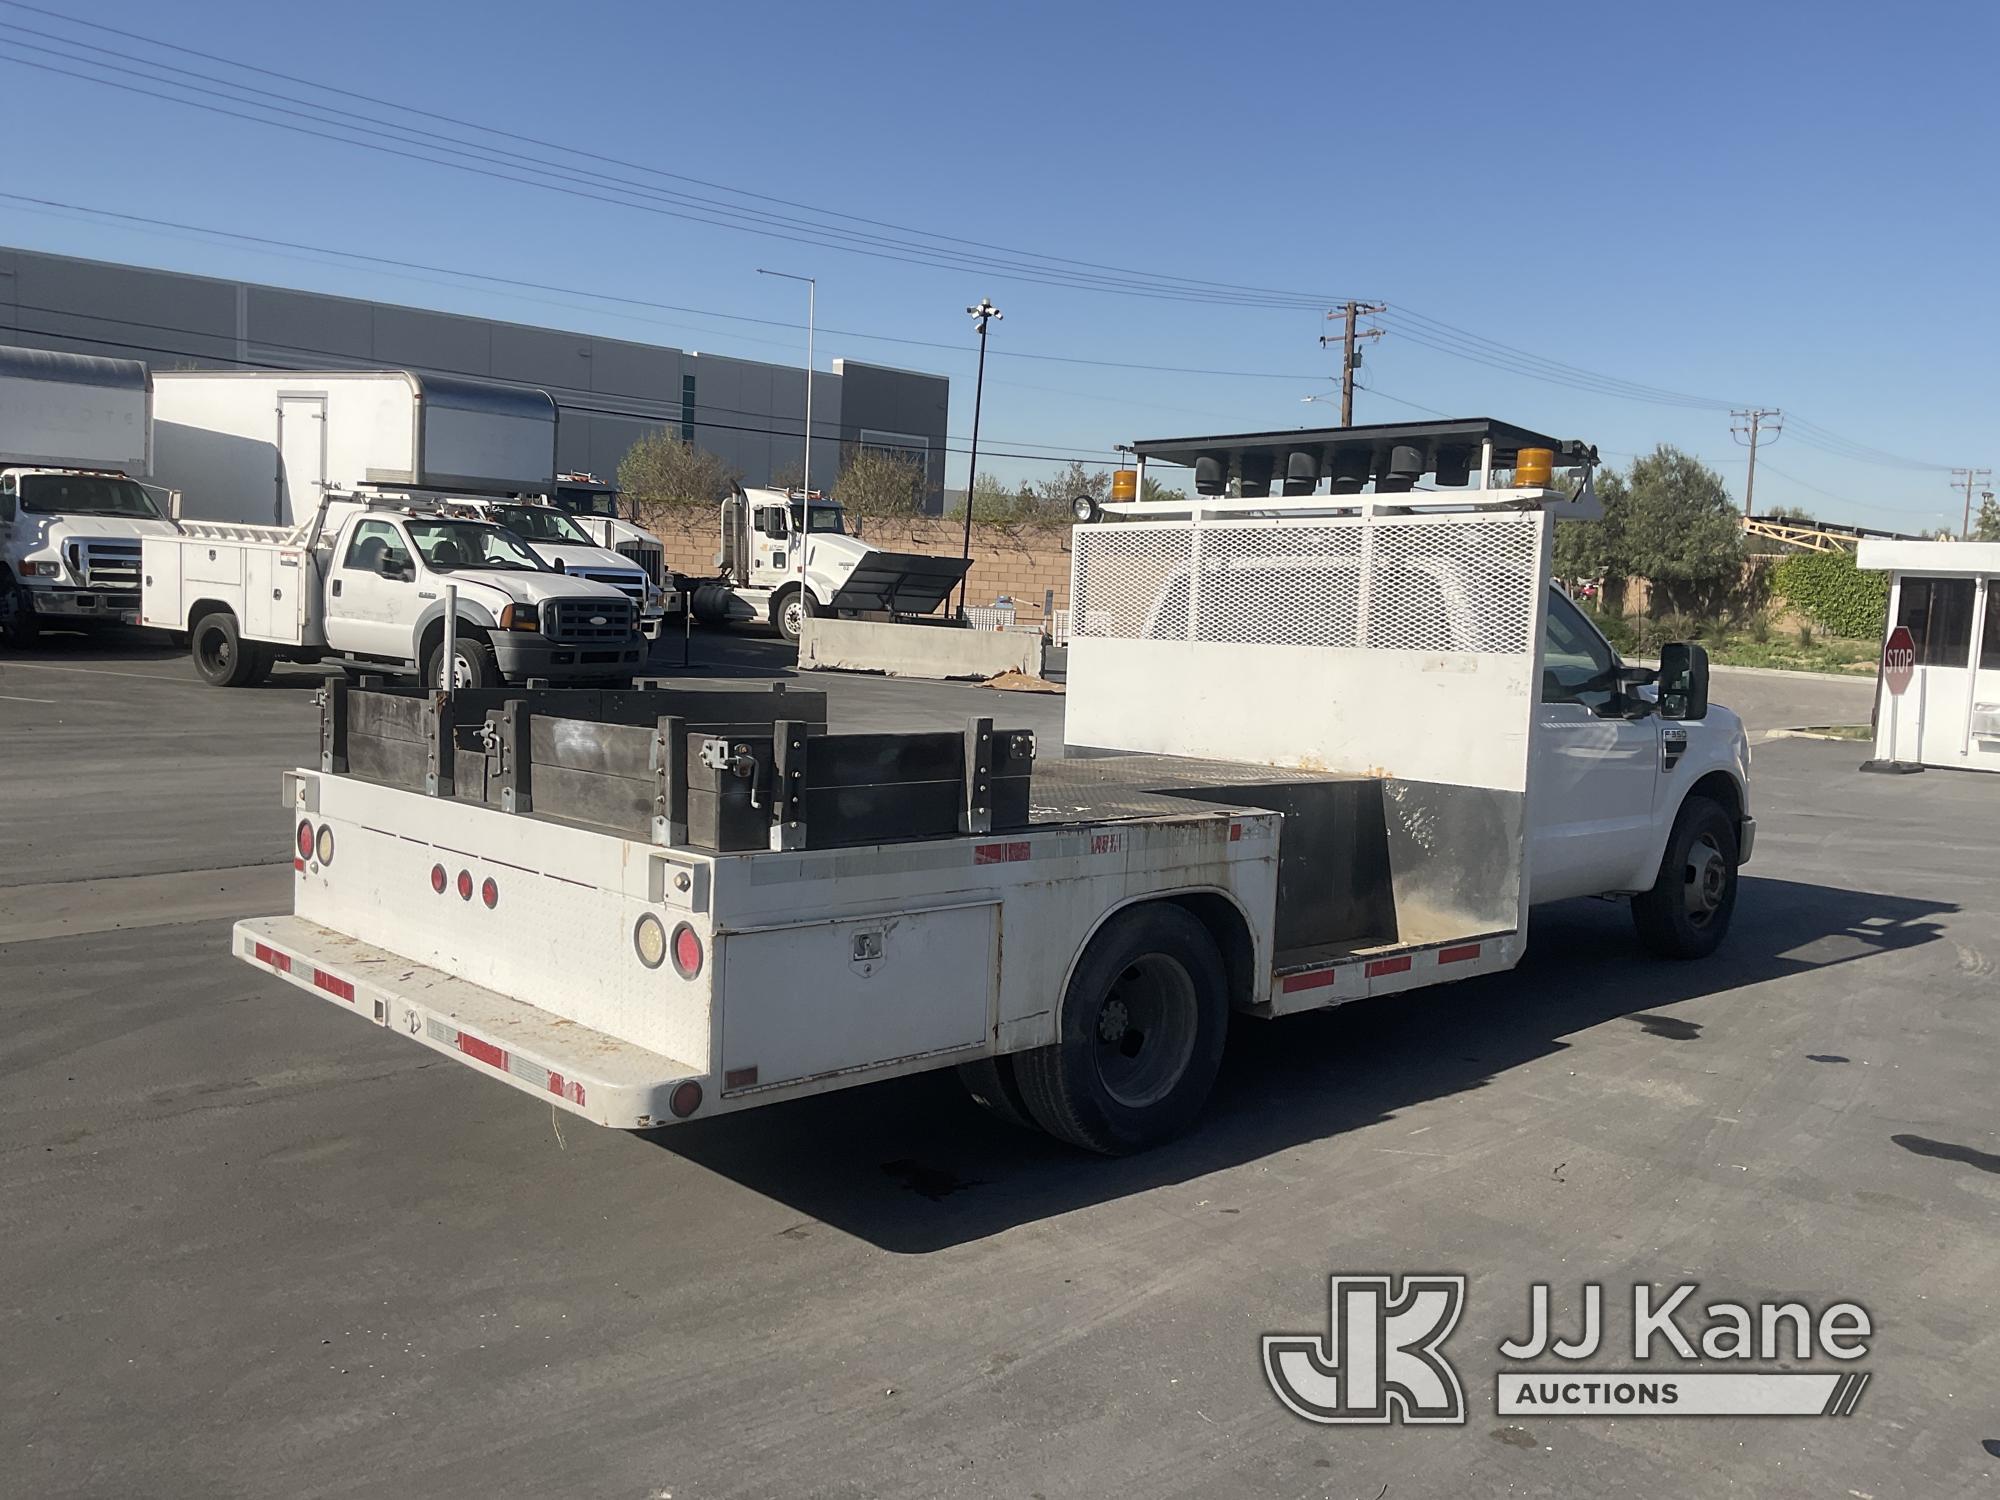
column 559, row 541
column 70, row 543
column 594, row 506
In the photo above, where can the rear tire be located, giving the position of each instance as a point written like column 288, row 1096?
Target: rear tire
column 221, row 658
column 1140, row 1035
column 1687, row 912
column 993, row 1087
column 477, row 666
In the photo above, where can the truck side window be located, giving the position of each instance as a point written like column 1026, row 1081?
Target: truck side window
column 371, row 543
column 1576, row 661
column 774, row 522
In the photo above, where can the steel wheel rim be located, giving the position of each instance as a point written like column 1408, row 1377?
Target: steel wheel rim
column 460, row 672
column 1705, row 881
column 795, row 614
column 1143, row 1033
column 216, row 654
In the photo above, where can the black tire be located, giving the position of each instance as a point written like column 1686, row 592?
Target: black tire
column 477, row 666
column 790, row 620
column 1140, row 1035
column 993, row 1087
column 221, row 657
column 1687, row 912
column 18, row 625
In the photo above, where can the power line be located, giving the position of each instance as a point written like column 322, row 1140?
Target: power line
column 615, row 161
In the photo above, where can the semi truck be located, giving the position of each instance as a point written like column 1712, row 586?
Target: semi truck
column 1321, row 746
column 314, row 525
column 759, row 579
column 75, row 444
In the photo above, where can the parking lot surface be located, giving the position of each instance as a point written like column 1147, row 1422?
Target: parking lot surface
column 256, row 1248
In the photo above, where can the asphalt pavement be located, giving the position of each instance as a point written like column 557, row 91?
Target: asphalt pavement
column 253, row 1247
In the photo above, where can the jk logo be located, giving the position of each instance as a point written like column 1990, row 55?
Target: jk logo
column 1379, row 1360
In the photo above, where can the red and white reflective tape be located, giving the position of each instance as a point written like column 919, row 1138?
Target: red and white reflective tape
column 1001, row 854
column 1369, row 969
column 525, row 1068
column 320, row 979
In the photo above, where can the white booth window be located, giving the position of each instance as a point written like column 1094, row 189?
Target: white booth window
column 1938, row 612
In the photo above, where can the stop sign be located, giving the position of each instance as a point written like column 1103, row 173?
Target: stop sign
column 1899, row 659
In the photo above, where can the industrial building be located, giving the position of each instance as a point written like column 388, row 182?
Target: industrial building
column 609, row 391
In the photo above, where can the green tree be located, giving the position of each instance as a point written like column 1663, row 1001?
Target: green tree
column 664, row 473
column 1986, row 525
column 789, row 475
column 875, row 483
column 1669, row 519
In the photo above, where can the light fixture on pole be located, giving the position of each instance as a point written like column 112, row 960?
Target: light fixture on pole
column 984, row 312
column 806, row 470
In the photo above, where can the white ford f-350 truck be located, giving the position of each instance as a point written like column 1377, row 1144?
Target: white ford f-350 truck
column 1324, row 744
column 554, row 537
column 75, row 441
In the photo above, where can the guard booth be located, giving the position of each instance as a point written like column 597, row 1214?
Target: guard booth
column 1937, row 700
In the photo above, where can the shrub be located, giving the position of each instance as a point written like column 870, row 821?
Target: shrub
column 1617, row 630
column 1830, row 590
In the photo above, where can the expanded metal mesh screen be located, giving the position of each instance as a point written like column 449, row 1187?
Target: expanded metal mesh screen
column 1397, row 583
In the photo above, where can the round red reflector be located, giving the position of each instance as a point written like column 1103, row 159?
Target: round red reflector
column 685, row 1099
column 437, row 879
column 489, row 892
column 687, row 952
column 465, row 885
column 306, row 840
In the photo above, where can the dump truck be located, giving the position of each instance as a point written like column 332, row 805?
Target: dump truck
column 76, row 444
column 1322, row 746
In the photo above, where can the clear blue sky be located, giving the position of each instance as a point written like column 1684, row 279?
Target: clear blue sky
column 1787, row 205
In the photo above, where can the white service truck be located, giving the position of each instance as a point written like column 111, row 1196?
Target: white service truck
column 313, row 526
column 593, row 505
column 555, row 537
column 75, row 442
column 1325, row 746
column 759, row 579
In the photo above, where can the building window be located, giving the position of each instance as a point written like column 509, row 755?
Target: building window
column 687, row 408
column 1938, row 612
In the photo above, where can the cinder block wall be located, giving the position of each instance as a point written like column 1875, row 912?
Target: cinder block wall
column 1016, row 562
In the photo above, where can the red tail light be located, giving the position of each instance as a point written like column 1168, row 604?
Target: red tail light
column 685, row 1099
column 437, row 879
column 306, row 839
column 465, row 885
column 686, row 951
column 490, row 893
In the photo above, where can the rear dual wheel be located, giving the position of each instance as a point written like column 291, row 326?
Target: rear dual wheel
column 222, row 657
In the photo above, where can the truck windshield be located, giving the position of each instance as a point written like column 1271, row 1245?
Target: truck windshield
column 85, row 495
column 824, row 517
column 448, row 545
column 541, row 523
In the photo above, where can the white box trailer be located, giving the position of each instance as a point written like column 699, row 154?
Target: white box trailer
column 262, row 448
column 654, row 907
column 75, row 411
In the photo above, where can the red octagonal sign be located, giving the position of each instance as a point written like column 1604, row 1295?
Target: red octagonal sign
column 1899, row 659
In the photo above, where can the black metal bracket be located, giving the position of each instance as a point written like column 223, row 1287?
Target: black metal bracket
column 788, row 803
column 333, row 726
column 441, row 751
column 976, row 810
column 510, row 733
column 667, row 761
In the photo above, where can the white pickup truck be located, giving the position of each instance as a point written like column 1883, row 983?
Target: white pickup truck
column 1286, row 789
column 367, row 583
column 558, row 541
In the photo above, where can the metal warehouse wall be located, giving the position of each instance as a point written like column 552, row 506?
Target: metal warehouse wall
column 610, row 391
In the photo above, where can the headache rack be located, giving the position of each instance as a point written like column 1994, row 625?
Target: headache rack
column 724, row 770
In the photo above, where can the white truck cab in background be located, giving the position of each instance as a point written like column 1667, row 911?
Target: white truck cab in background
column 557, row 539
column 75, row 441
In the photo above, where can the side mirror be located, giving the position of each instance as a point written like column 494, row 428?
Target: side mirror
column 392, row 567
column 1683, row 681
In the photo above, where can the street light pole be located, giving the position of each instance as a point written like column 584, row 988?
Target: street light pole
column 806, row 469
column 984, row 312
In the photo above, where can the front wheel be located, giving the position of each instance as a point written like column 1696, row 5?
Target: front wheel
column 1140, row 1035
column 1686, row 914
column 18, row 625
column 473, row 664
column 793, row 611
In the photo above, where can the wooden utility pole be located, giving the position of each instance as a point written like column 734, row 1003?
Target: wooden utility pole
column 1748, row 426
column 1968, row 478
column 1350, row 356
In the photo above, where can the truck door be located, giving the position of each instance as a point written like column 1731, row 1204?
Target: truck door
column 301, row 457
column 770, row 534
column 1593, row 779
column 372, row 591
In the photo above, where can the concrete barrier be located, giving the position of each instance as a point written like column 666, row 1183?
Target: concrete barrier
column 938, row 651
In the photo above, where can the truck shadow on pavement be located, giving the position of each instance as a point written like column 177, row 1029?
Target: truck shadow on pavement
column 913, row 1166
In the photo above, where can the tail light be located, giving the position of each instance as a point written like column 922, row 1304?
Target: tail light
column 685, row 1099
column 323, row 845
column 489, row 892
column 687, row 952
column 305, row 839
column 465, row 885
column 438, row 879
column 650, row 939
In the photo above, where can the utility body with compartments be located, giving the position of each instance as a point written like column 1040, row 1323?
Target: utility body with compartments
column 758, row 579
column 75, row 443
column 1322, row 747
column 316, row 521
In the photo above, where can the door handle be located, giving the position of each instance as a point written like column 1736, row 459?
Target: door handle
column 336, row 588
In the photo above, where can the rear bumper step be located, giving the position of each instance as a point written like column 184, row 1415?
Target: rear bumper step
column 585, row 1072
